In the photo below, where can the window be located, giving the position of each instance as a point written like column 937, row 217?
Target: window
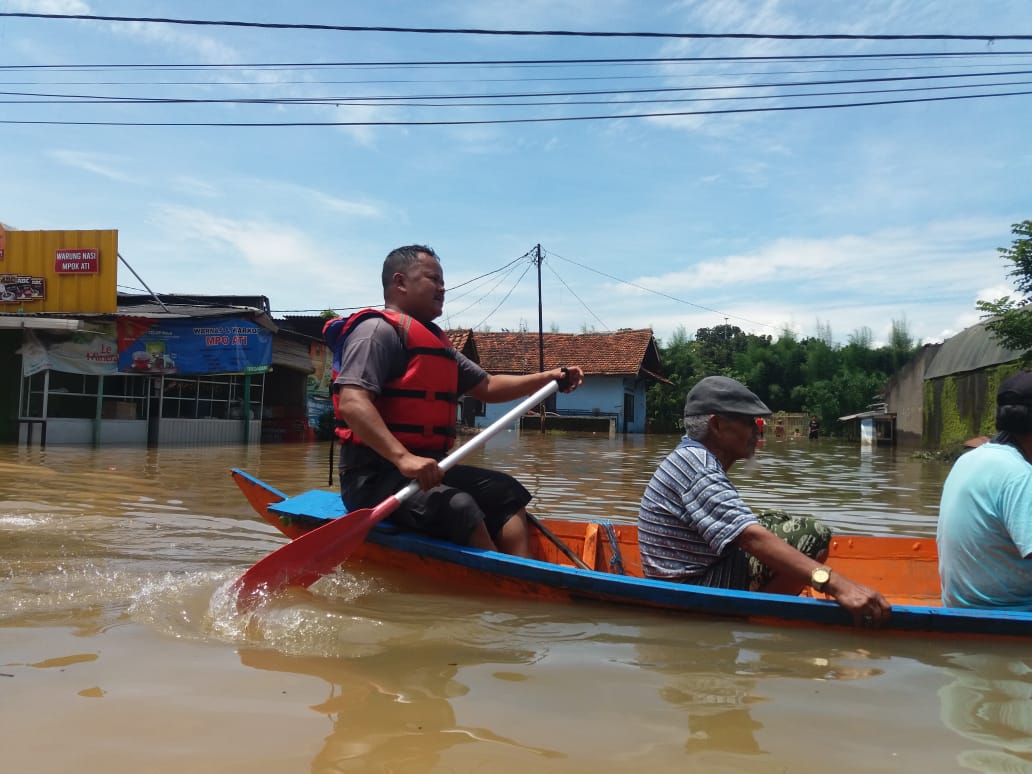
column 74, row 396
column 210, row 397
column 126, row 396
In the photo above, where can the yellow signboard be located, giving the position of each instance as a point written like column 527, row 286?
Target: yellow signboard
column 67, row 272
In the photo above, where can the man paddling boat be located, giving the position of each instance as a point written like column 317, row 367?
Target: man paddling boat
column 398, row 383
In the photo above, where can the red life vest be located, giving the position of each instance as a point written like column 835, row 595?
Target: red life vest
column 420, row 407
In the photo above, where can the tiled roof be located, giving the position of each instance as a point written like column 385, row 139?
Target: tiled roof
column 462, row 340
column 624, row 352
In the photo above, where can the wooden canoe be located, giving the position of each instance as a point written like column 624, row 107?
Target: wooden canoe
column 904, row 569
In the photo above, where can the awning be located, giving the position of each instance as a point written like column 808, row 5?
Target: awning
column 20, row 321
column 656, row 376
column 868, row 415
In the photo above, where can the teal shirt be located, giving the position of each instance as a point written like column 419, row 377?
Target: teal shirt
column 985, row 530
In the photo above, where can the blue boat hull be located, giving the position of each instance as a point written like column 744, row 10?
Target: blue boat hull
column 552, row 577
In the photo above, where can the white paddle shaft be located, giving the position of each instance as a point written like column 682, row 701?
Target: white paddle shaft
column 484, row 435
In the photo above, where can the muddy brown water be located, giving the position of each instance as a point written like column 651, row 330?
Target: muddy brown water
column 119, row 652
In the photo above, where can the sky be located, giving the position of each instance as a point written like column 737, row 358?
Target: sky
column 739, row 210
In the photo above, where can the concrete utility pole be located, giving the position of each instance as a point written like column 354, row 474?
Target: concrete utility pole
column 541, row 326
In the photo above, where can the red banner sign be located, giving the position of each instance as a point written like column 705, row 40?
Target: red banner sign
column 78, row 261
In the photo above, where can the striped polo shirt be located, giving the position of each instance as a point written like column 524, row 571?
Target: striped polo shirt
column 690, row 514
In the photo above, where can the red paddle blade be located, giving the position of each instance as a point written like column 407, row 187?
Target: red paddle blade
column 302, row 561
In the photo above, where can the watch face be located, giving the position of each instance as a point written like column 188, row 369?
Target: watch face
column 820, row 576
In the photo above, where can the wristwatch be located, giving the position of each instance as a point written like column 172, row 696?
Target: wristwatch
column 819, row 577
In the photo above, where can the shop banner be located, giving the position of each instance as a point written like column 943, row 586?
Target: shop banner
column 317, row 387
column 80, row 353
column 218, row 345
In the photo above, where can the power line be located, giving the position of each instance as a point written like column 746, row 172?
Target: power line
column 494, row 121
column 88, row 98
column 525, row 79
column 510, row 63
column 488, row 292
column 579, row 300
column 660, row 293
column 335, row 309
column 488, row 274
column 406, row 81
column 505, row 297
column 477, row 31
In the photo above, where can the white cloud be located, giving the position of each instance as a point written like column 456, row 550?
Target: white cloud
column 890, row 261
column 347, row 207
column 278, row 190
column 261, row 245
column 194, row 186
column 95, row 163
column 47, row 6
column 995, row 292
column 182, row 41
column 529, row 14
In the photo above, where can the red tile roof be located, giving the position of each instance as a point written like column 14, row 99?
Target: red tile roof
column 624, row 352
column 462, row 340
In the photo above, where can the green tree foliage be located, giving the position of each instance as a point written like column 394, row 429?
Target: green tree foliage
column 1010, row 319
column 682, row 367
column 718, row 346
column 862, row 337
column 812, row 376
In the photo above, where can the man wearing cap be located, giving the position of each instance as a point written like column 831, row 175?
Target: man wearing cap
column 985, row 514
column 693, row 526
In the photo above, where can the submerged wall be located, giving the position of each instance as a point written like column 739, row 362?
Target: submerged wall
column 961, row 406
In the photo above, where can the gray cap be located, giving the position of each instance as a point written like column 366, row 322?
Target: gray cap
column 723, row 395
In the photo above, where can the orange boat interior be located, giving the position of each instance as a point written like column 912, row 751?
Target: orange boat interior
column 904, row 570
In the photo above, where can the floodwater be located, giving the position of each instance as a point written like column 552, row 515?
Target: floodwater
column 119, row 651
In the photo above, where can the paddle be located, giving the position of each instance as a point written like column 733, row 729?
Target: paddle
column 556, row 541
column 304, row 560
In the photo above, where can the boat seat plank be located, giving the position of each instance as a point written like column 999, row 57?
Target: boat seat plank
column 317, row 504
column 590, row 553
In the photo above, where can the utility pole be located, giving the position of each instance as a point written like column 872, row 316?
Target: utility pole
column 541, row 326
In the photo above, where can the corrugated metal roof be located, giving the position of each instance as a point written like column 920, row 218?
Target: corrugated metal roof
column 307, row 324
column 972, row 349
column 198, row 300
column 867, row 415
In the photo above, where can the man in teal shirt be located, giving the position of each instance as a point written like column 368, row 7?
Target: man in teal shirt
column 985, row 514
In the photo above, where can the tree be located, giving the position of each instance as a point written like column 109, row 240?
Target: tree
column 810, row 376
column 681, row 365
column 717, row 347
column 900, row 339
column 1010, row 320
column 862, row 338
column 824, row 333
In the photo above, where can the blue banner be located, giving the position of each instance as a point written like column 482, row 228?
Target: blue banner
column 218, row 345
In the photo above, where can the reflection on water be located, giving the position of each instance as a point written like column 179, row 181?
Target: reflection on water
column 115, row 618
column 990, row 702
column 393, row 711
